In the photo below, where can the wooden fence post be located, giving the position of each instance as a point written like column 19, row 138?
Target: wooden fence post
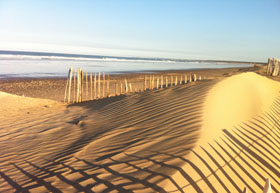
column 191, row 76
column 171, row 81
column 99, row 85
column 94, row 86
column 153, row 82
column 82, row 85
column 166, row 81
column 67, row 82
column 121, row 88
column 78, row 86
column 186, row 79
column 161, row 81
column 130, row 87
column 74, row 84
column 103, row 86
column 157, row 82
column 91, row 96
column 108, row 85
column 126, row 86
column 116, row 88
column 86, row 86
column 176, row 81
column 194, row 77
column 145, row 84
column 181, row 79
column 70, row 86
column 150, row 82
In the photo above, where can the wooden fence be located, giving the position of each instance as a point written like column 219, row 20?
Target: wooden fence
column 273, row 67
column 83, row 86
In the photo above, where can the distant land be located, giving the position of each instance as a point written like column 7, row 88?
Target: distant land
column 28, row 53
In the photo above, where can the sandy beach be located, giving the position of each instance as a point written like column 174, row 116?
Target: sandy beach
column 220, row 134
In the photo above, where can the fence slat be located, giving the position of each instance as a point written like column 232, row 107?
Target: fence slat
column 103, row 85
column 74, row 84
column 91, row 96
column 70, row 84
column 99, row 85
column 108, row 85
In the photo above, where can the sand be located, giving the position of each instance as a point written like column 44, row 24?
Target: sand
column 215, row 135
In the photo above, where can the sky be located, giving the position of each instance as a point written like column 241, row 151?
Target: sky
column 191, row 29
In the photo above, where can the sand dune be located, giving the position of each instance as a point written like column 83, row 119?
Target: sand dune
column 195, row 137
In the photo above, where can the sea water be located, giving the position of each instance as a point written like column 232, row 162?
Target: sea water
column 57, row 66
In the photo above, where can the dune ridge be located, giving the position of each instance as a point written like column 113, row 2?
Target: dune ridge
column 154, row 141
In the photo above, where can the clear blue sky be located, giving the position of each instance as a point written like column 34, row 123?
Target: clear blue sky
column 214, row 29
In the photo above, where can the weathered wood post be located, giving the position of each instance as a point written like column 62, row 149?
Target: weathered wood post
column 67, row 82
column 91, row 95
column 99, row 85
column 86, row 86
column 150, row 82
column 276, row 67
column 194, row 77
column 94, row 86
column 269, row 66
column 121, row 88
column 70, row 84
column 176, row 81
column 191, row 76
column 103, row 86
column 108, row 85
column 82, row 85
column 186, row 79
column 153, row 82
column 200, row 78
column 181, row 79
column 74, row 84
column 126, row 86
column 171, row 81
column 145, row 84
column 78, row 86
column 116, row 88
column 166, row 81
column 157, row 82
column 161, row 82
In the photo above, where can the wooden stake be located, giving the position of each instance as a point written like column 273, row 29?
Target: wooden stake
column 171, row 83
column 70, row 82
column 191, row 78
column 126, row 86
column 74, row 91
column 153, row 82
column 82, row 85
column 166, row 81
column 94, row 86
column 103, row 86
column 86, row 86
column 194, row 77
column 150, row 82
column 199, row 78
column 121, row 88
column 176, row 81
column 67, row 82
column 181, row 79
column 157, row 82
column 116, row 89
column 145, row 84
column 186, row 79
column 161, row 78
column 108, row 85
column 78, row 86
column 99, row 85
column 91, row 95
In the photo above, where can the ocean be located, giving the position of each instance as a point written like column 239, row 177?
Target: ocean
column 39, row 64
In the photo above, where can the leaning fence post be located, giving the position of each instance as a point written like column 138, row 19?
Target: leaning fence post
column 70, row 86
column 65, row 93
